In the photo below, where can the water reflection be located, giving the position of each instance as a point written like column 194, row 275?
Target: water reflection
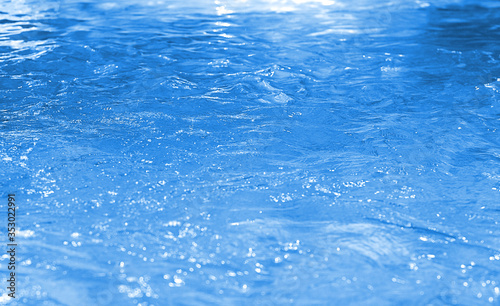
column 25, row 30
column 289, row 151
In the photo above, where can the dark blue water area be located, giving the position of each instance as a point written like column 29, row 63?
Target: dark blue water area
column 251, row 152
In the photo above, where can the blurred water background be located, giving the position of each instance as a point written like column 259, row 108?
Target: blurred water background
column 252, row 152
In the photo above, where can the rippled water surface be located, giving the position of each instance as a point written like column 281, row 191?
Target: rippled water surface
column 252, row 152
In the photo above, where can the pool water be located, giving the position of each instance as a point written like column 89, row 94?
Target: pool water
column 252, row 152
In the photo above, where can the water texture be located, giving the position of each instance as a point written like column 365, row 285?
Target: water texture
column 252, row 152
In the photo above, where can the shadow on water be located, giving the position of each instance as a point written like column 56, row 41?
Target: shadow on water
column 465, row 28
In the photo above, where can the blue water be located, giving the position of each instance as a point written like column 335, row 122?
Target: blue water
column 252, row 152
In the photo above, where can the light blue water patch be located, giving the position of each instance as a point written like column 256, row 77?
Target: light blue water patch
column 252, row 152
